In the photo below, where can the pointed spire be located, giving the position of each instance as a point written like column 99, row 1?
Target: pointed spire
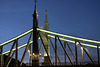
column 46, row 23
column 46, row 16
column 35, row 16
column 35, row 1
column 35, row 52
column 35, row 10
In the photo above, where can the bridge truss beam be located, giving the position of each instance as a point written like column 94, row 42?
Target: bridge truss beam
column 50, row 36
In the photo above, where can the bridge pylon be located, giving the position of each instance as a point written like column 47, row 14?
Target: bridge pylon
column 35, row 51
column 46, row 27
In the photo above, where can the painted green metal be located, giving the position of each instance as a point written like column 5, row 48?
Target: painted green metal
column 89, row 45
column 82, row 55
column 85, row 50
column 1, row 57
column 46, row 27
column 45, row 42
column 65, row 51
column 90, row 54
column 54, row 51
column 56, row 62
column 16, row 54
column 10, row 53
column 71, row 41
column 71, row 51
column 42, row 37
column 29, row 55
column 10, row 59
column 2, row 44
column 67, row 36
column 26, row 48
column 46, row 23
column 40, row 48
column 98, row 53
column 76, row 52
column 18, row 48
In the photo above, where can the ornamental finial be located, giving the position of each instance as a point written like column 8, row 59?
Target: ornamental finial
column 46, row 10
column 35, row 1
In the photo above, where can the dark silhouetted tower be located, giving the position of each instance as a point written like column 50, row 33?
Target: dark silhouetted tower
column 35, row 51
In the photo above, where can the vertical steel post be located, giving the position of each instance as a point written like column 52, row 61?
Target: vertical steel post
column 82, row 55
column 64, row 52
column 35, row 51
column 40, row 47
column 10, row 53
column 76, row 52
column 86, row 51
column 30, row 55
column 98, row 53
column 1, row 57
column 26, row 49
column 55, row 50
column 16, row 55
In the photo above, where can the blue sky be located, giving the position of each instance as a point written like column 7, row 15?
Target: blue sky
column 79, row 18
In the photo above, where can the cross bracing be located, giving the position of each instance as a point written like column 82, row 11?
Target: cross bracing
column 52, row 35
column 75, row 38
column 45, row 36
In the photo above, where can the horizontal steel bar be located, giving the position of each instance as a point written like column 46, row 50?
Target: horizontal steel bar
column 89, row 45
column 18, row 48
column 49, row 36
column 92, row 41
column 72, row 37
column 2, row 44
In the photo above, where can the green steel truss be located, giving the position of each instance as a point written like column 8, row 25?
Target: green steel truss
column 59, row 37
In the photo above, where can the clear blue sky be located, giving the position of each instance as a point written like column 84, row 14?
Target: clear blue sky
column 79, row 18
